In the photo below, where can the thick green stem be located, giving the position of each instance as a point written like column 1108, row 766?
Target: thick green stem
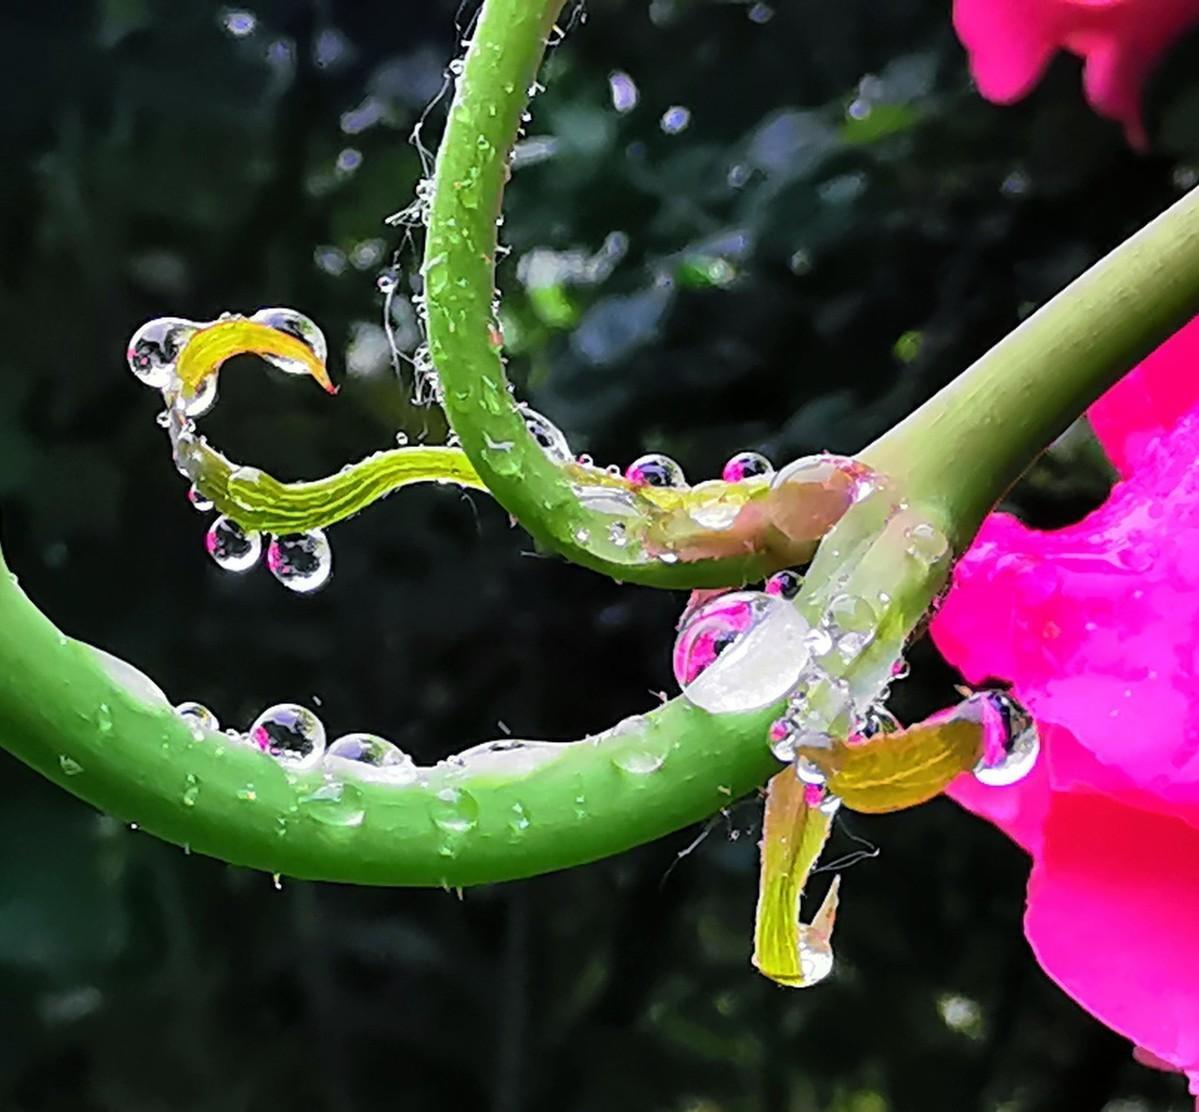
column 961, row 450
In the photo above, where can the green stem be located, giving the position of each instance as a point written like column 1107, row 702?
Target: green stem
column 459, row 274
column 100, row 735
column 960, row 451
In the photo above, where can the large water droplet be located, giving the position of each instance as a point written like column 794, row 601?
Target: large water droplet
column 292, row 734
column 454, row 811
column 714, row 506
column 134, row 681
column 371, row 757
column 302, row 328
column 335, row 803
column 1010, row 739
column 231, row 546
column 747, row 465
column 155, row 349
column 741, row 651
column 302, row 562
column 815, row 959
column 549, row 437
column 200, row 720
column 655, row 469
column 927, row 543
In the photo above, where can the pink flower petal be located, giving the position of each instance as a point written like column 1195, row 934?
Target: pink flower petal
column 1113, row 904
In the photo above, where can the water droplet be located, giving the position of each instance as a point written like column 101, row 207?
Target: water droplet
column 69, row 765
column 877, row 720
column 204, row 398
column 715, row 506
column 549, row 437
column 1010, row 739
column 675, row 119
column 808, row 771
column 819, row 641
column 135, row 682
column 104, row 718
column 200, row 720
column 740, row 651
column 815, row 959
column 518, row 819
column 292, row 734
column 155, row 349
column 852, row 614
column 927, row 543
column 655, row 469
column 302, row 562
column 299, row 326
column 747, row 465
column 638, row 761
column 387, row 281
column 199, row 499
column 618, row 534
column 371, row 757
column 231, row 547
column 191, row 790
column 784, row 584
column 335, row 803
column 454, row 811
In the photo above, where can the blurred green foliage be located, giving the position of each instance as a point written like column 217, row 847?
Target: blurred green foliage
column 840, row 226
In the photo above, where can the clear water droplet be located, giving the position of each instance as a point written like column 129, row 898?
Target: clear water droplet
column 549, row 437
column 200, row 720
column 815, row 959
column 877, row 720
column 1011, row 742
column 302, row 562
column 454, row 811
column 335, row 803
column 784, row 584
column 199, row 500
column 104, row 718
column 638, row 761
column 518, row 819
column 290, row 733
column 747, row 465
column 741, row 651
column 155, row 347
column 655, row 469
column 69, row 765
column 191, row 790
column 927, row 543
column 302, row 328
column 232, row 547
column 371, row 757
column 203, row 399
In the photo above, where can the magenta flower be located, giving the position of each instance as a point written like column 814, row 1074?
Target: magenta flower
column 1011, row 42
column 1097, row 627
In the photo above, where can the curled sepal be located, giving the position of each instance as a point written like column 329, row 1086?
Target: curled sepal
column 259, row 501
column 893, row 771
column 797, row 825
column 211, row 345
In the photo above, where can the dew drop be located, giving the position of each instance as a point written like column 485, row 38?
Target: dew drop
column 335, row 803
column 815, row 960
column 371, row 757
column 231, row 546
column 877, row 720
column 155, row 347
column 292, row 734
column 747, row 465
column 69, row 766
column 191, row 790
column 454, row 811
column 550, row 439
column 302, row 562
column 199, row 500
column 784, row 584
column 518, row 819
column 1010, row 739
column 638, row 761
column 655, row 469
column 927, row 543
column 200, row 720
column 301, row 328
column 740, row 651
column 104, row 718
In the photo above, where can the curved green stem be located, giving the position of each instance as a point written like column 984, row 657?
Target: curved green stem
column 99, row 731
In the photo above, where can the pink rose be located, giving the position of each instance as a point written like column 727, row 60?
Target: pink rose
column 1097, row 627
column 1011, row 42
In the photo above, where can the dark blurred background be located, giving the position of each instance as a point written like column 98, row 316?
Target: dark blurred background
column 804, row 225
